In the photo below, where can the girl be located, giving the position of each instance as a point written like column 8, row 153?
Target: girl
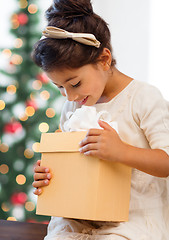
column 76, row 54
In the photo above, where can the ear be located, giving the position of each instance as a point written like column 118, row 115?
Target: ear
column 105, row 59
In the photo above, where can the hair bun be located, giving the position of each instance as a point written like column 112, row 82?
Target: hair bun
column 69, row 9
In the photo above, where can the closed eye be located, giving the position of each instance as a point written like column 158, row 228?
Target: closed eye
column 76, row 85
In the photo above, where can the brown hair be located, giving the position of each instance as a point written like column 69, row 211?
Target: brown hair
column 73, row 16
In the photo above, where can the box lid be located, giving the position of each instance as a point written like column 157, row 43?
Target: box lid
column 61, row 141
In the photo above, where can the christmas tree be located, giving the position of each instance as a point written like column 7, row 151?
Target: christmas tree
column 29, row 105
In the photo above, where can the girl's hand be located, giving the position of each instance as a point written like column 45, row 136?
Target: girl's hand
column 42, row 177
column 104, row 144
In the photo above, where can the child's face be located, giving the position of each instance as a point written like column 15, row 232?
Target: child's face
column 84, row 85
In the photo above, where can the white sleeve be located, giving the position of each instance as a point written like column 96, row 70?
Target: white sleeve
column 152, row 114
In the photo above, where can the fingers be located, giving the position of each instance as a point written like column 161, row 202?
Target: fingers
column 88, row 147
column 105, row 125
column 37, row 191
column 41, row 169
column 88, row 139
column 41, row 176
column 40, row 183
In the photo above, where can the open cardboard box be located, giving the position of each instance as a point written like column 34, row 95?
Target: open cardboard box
column 82, row 187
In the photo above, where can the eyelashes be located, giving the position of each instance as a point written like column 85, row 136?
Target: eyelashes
column 76, row 85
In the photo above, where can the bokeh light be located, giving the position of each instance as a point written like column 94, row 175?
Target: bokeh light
column 5, row 207
column 28, row 153
column 7, row 53
column 16, row 59
column 2, row 105
column 18, row 43
column 11, row 219
column 45, row 95
column 29, row 206
column 32, row 8
column 36, row 147
column 37, row 84
column 30, row 111
column 21, row 179
column 4, row 169
column 11, row 89
column 43, row 127
column 23, row 3
column 4, row 147
column 50, row 113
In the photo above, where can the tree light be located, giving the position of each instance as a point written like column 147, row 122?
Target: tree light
column 2, row 105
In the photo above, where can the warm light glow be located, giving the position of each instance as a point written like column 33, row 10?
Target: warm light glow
column 43, row 127
column 15, row 22
column 7, row 53
column 21, row 179
column 2, row 104
column 32, row 97
column 11, row 89
column 50, row 112
column 32, row 8
column 16, row 59
column 37, row 84
column 11, row 219
column 4, row 169
column 5, row 207
column 23, row 3
column 45, row 95
column 28, row 153
column 18, row 43
column 36, row 147
column 4, row 148
column 23, row 117
column 30, row 111
column 29, row 206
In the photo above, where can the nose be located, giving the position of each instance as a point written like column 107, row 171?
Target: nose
column 70, row 95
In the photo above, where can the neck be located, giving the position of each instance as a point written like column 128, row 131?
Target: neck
column 116, row 82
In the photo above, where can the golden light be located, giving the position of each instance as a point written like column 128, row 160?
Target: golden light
column 29, row 111
column 11, row 89
column 2, row 105
column 21, row 179
column 37, row 84
column 23, row 3
column 32, row 8
column 36, row 147
column 29, row 206
column 50, row 113
column 28, row 153
column 23, row 117
column 16, row 59
column 4, row 148
column 45, row 95
column 11, row 219
column 18, row 43
column 15, row 22
column 43, row 127
column 7, row 53
column 32, row 96
column 5, row 207
column 4, row 169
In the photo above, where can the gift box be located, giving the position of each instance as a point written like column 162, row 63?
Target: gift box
column 82, row 187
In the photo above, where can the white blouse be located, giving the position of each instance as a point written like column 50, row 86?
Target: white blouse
column 142, row 115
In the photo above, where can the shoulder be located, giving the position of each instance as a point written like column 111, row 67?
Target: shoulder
column 146, row 95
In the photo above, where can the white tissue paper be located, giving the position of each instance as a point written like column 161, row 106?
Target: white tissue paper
column 87, row 117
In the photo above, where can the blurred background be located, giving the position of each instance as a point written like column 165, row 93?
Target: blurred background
column 31, row 105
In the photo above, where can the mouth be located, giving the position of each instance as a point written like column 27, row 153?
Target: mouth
column 83, row 101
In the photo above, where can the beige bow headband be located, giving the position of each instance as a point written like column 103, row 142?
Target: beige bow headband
column 58, row 33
